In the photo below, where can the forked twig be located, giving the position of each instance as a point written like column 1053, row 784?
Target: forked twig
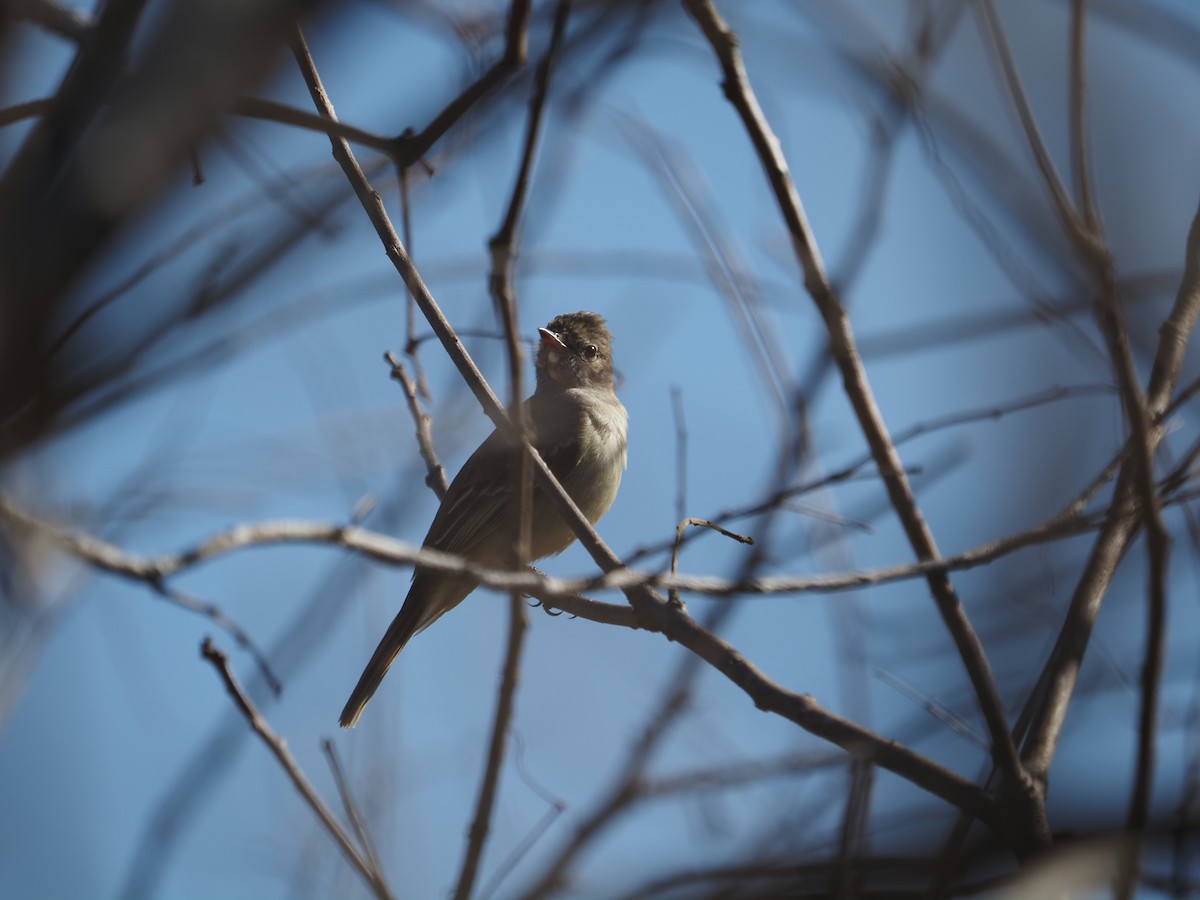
column 278, row 747
column 699, row 523
column 435, row 475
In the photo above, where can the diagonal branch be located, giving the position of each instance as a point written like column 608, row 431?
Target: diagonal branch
column 278, row 746
column 1083, row 237
column 435, row 475
column 409, row 148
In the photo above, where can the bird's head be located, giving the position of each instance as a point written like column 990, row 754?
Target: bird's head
column 575, row 351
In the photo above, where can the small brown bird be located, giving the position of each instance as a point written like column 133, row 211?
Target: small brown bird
column 578, row 426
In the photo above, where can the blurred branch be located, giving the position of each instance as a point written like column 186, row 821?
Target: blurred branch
column 246, row 107
column 1078, row 107
column 1088, row 239
column 352, row 813
column 409, row 148
column 904, row 83
column 304, row 625
column 719, row 254
column 993, row 30
column 681, row 454
column 373, row 876
column 555, row 808
column 784, row 495
column 737, row 774
column 27, row 110
column 226, row 623
column 105, row 147
column 270, row 111
column 110, row 558
column 57, row 18
column 783, row 878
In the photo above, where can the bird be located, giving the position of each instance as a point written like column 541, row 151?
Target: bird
column 578, row 426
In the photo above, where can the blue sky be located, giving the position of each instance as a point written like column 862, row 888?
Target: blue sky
column 118, row 705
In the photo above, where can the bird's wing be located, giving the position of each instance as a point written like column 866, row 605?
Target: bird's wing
column 478, row 503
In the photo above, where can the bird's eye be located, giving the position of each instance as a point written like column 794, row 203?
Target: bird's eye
column 589, row 351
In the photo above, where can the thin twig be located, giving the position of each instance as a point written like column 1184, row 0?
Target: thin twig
column 1070, row 521
column 1075, row 228
column 270, row 111
column 373, row 876
column 1144, row 438
column 1136, row 486
column 408, row 148
column 225, row 622
column 435, row 476
column 920, row 429
column 701, row 523
column 718, row 252
column 556, row 806
column 352, row 813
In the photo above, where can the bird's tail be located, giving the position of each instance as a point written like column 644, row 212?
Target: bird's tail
column 424, row 604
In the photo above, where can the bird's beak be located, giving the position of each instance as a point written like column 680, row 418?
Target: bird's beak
column 552, row 354
column 550, row 350
column 549, row 337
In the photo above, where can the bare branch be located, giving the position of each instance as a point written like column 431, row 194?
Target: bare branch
column 699, row 523
column 409, row 148
column 373, row 876
column 436, row 475
column 226, row 623
column 352, row 813
column 1071, row 520
column 1081, row 235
